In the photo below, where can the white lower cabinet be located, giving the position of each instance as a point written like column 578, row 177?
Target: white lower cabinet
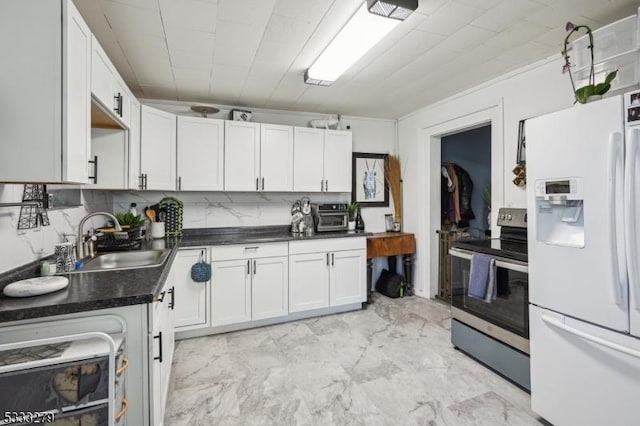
column 191, row 312
column 161, row 346
column 327, row 273
column 231, row 292
column 309, row 281
column 269, row 287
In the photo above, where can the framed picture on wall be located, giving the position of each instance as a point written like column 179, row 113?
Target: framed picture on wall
column 369, row 186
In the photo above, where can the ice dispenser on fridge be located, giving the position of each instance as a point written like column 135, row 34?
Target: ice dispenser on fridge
column 560, row 211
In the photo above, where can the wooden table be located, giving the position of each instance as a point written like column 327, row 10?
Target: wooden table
column 392, row 244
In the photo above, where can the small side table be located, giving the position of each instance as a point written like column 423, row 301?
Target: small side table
column 391, row 244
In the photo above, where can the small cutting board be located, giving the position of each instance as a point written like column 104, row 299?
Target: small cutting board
column 35, row 286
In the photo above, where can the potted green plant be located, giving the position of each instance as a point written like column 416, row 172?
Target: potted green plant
column 590, row 90
column 353, row 211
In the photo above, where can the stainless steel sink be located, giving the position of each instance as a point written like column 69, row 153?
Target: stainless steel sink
column 125, row 260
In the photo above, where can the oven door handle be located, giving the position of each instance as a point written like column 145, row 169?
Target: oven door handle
column 506, row 264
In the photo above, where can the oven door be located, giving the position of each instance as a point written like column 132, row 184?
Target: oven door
column 510, row 309
column 332, row 222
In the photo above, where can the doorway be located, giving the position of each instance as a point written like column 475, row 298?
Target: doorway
column 465, row 195
column 429, row 205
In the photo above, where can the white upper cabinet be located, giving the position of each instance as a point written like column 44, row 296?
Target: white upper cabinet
column 322, row 160
column 308, row 159
column 241, row 156
column 337, row 161
column 276, row 158
column 46, row 92
column 107, row 87
column 135, row 179
column 200, row 154
column 158, row 149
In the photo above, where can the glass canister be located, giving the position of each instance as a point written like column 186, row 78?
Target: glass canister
column 388, row 222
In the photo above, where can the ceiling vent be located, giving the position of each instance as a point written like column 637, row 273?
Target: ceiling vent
column 396, row 9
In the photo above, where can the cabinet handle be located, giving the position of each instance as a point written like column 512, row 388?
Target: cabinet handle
column 326, row 185
column 327, row 259
column 322, row 185
column 248, row 267
column 253, row 248
column 118, row 107
column 146, row 181
column 159, row 337
column 172, row 304
column 255, row 269
column 332, row 259
column 263, row 184
column 140, row 181
column 125, row 364
column 257, row 183
column 123, row 410
column 95, row 169
column 179, row 183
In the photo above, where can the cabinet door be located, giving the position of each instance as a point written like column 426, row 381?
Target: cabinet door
column 191, row 309
column 158, row 152
column 338, row 159
column 276, row 158
column 347, row 282
column 76, row 133
column 102, row 79
column 134, row 146
column 308, row 159
column 241, row 156
column 308, row 281
column 155, row 375
column 110, row 147
column 200, row 154
column 231, row 292
column 270, row 287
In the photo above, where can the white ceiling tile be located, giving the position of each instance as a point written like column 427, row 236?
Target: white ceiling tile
column 191, row 59
column 192, row 79
column 481, row 4
column 180, row 39
column 124, row 18
column 147, row 4
column 276, row 53
column 245, row 11
column 525, row 54
column 450, row 18
column 286, row 30
column 507, row 13
column 311, row 10
column 196, row 15
column 267, row 70
column 466, row 38
column 427, row 7
column 517, row 35
column 290, row 88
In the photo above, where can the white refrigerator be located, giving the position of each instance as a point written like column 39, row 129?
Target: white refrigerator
column 583, row 200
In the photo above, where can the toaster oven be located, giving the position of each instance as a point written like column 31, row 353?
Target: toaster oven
column 330, row 217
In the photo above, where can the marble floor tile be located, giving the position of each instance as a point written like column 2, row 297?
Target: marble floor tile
column 390, row 364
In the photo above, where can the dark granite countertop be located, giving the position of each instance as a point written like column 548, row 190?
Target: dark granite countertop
column 109, row 289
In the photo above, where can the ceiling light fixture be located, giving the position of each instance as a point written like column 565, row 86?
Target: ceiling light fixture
column 396, row 9
column 363, row 31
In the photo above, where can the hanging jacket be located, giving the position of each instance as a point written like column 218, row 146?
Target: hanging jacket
column 465, row 188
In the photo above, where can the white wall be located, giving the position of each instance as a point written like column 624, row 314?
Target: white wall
column 18, row 247
column 525, row 93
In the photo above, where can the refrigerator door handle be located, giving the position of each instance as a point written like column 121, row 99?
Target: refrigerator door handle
column 616, row 228
column 630, row 210
column 586, row 336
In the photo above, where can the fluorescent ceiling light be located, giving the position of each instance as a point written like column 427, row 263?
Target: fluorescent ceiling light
column 363, row 31
column 396, row 9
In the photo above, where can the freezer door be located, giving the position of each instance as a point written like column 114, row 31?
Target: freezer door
column 590, row 282
column 632, row 197
column 582, row 374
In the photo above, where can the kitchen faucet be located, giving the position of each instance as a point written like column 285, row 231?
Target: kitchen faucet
column 80, row 249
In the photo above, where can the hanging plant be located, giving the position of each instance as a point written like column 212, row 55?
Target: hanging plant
column 583, row 93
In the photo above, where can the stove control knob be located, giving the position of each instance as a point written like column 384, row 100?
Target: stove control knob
column 509, row 217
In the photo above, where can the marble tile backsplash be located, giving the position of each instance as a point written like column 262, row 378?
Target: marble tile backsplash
column 23, row 246
column 224, row 209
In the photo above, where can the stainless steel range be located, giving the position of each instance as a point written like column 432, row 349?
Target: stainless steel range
column 496, row 332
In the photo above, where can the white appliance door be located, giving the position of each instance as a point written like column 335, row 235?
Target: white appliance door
column 582, row 374
column 632, row 197
column 588, row 283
